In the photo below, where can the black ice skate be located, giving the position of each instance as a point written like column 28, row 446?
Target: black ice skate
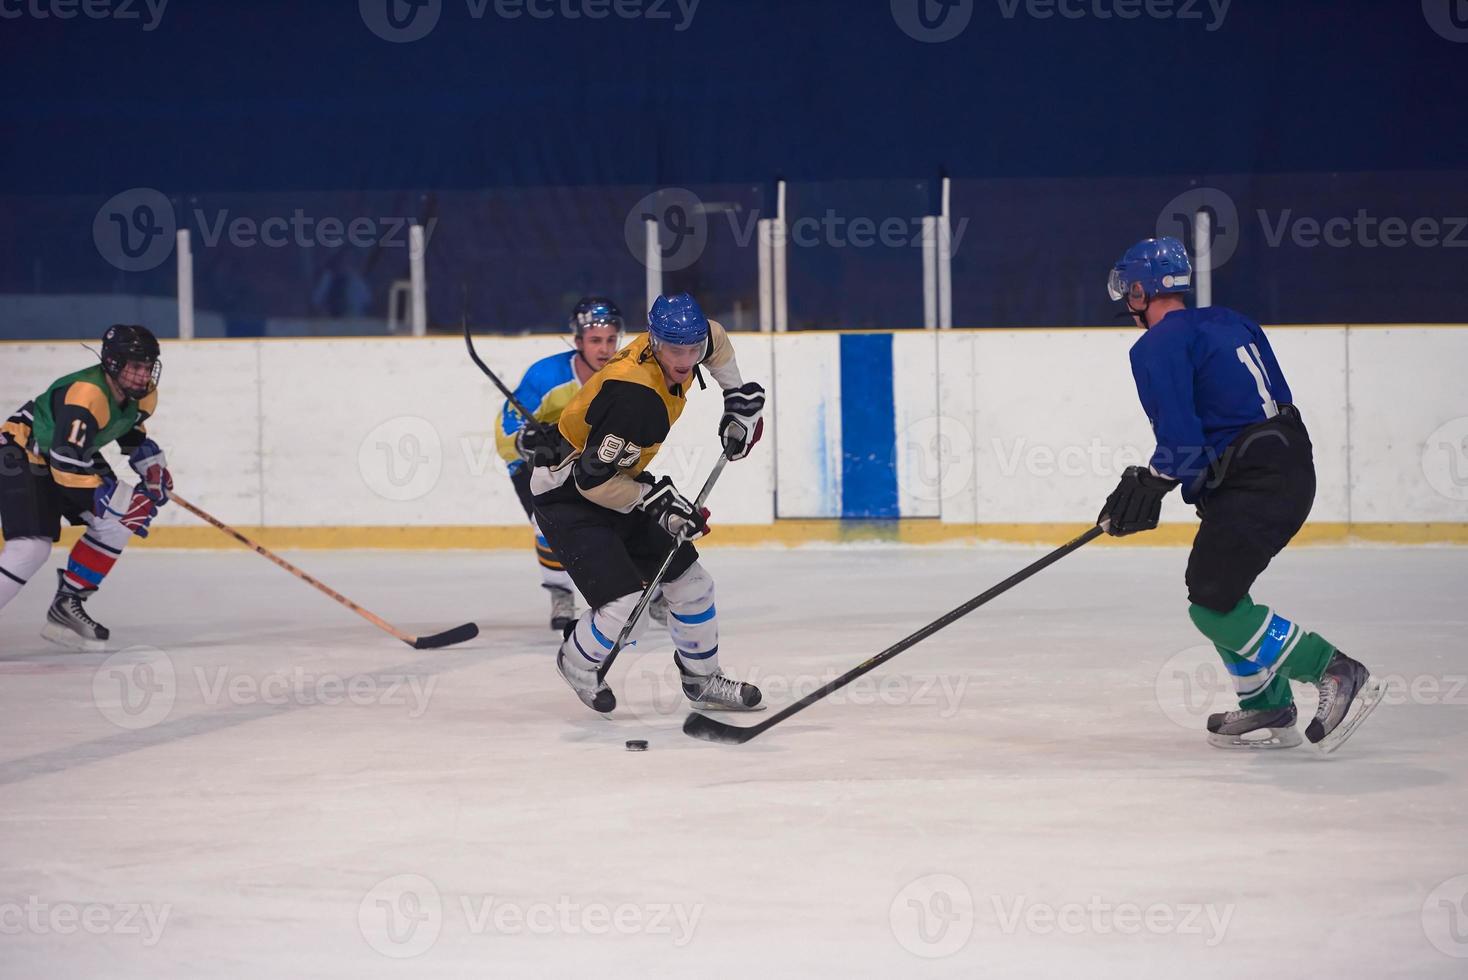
column 715, row 692
column 592, row 691
column 67, row 623
column 1347, row 695
column 563, row 609
column 1260, row 728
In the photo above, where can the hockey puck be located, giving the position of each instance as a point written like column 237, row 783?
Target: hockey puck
column 636, row 745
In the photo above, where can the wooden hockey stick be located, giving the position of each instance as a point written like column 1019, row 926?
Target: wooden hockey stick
column 447, row 638
column 706, row 728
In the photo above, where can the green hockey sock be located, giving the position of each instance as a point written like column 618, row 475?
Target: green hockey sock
column 1262, row 651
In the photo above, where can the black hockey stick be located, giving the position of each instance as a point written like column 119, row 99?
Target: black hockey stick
column 527, row 415
column 706, row 728
column 703, row 495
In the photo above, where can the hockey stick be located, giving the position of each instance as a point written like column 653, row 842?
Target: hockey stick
column 706, row 728
column 642, row 604
column 527, row 415
column 447, row 638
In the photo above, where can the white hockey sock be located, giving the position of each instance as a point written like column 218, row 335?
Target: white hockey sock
column 19, row 560
column 597, row 631
column 693, row 620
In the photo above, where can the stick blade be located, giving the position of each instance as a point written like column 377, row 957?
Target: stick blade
column 447, row 638
column 706, row 728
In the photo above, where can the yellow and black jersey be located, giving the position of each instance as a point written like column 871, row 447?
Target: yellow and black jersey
column 65, row 428
column 620, row 418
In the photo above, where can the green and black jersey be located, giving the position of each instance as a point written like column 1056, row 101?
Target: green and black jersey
column 65, row 428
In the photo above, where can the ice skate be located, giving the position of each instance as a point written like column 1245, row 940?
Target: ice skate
column 67, row 622
column 715, row 692
column 563, row 609
column 1347, row 695
column 1260, row 728
column 593, row 692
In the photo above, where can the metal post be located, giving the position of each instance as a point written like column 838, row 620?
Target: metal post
column 778, row 260
column 945, row 261
column 184, row 250
column 1203, row 259
column 653, row 258
column 930, row 272
column 416, row 252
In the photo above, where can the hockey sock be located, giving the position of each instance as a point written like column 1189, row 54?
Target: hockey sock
column 597, row 630
column 1262, row 651
column 693, row 620
column 94, row 554
column 19, row 560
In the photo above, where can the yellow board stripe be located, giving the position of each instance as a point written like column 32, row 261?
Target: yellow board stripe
column 786, row 533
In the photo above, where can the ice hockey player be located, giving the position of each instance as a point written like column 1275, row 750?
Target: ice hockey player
column 1229, row 433
column 546, row 389
column 613, row 524
column 51, row 467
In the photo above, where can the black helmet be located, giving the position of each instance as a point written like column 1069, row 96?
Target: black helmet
column 595, row 311
column 124, row 342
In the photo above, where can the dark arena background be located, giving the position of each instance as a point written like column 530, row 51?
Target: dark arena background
column 900, row 217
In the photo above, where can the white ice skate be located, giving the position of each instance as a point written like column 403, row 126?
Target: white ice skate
column 67, row 622
column 1260, row 728
column 1348, row 693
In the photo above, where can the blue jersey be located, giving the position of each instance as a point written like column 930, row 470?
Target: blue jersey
column 547, row 388
column 1204, row 376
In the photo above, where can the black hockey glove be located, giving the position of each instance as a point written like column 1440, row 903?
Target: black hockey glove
column 741, row 426
column 674, row 512
column 1136, row 503
column 538, row 444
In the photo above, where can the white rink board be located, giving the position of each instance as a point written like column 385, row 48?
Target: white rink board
column 994, row 426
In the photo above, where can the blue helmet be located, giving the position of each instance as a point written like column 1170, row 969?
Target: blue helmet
column 1158, row 265
column 595, row 311
column 677, row 320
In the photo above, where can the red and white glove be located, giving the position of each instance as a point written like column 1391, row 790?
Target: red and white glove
column 133, row 509
column 674, row 512
column 151, row 465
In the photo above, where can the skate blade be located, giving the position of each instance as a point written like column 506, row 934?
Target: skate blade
column 1277, row 738
column 711, row 706
column 63, row 637
column 1362, row 705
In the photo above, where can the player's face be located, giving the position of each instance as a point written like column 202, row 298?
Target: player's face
column 598, row 345
column 678, row 361
column 136, row 375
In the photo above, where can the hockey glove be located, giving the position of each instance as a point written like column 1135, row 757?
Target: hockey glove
column 133, row 509
column 1136, row 503
column 538, row 444
column 674, row 512
column 741, row 426
column 151, row 465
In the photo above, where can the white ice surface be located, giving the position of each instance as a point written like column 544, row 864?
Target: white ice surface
column 1025, row 752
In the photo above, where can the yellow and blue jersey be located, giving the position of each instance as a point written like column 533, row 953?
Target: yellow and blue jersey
column 546, row 389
